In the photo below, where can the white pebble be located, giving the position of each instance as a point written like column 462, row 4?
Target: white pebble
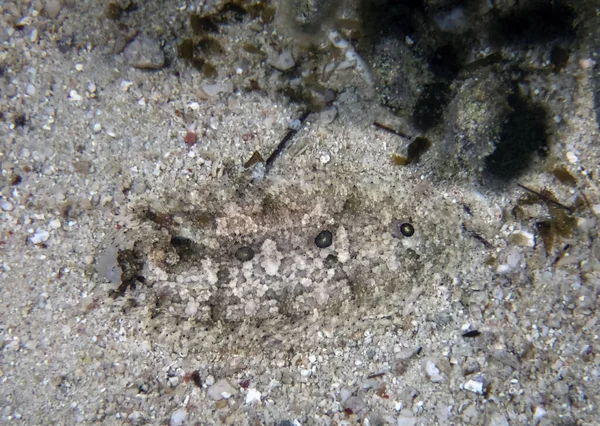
column 252, row 396
column 30, row 90
column 194, row 105
column 586, row 224
column 97, row 127
column 295, row 125
column 33, row 36
column 336, row 39
column 79, row 67
column 475, row 386
column 54, row 224
column 572, row 157
column 433, row 372
column 125, row 85
column 91, row 88
column 73, row 95
column 345, row 393
column 587, row 63
column 191, row 309
column 178, row 417
column 271, row 266
column 6, row 205
column 40, row 236
column 503, row 269
column 306, row 373
column 325, row 158
column 539, row 412
column 284, row 61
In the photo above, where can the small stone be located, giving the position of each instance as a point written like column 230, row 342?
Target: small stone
column 324, row 239
column 295, row 125
column 221, row 390
column 539, row 412
column 6, row 205
column 145, row 53
column 190, row 138
column 523, row 239
column 271, row 266
column 345, row 393
column 433, row 372
column 407, row 229
column 221, row 405
column 74, row 96
column 125, row 85
column 475, row 386
column 83, row 167
column 54, row 224
column 79, row 67
column 586, row 224
column 470, row 366
column 97, row 127
column 355, row 404
column 30, row 90
column 108, row 266
column 33, row 36
column 503, row 269
column 328, row 116
column 178, row 417
column 191, row 309
column 587, row 63
column 52, row 8
column 135, row 417
column 212, row 90
column 40, row 236
column 325, row 158
column 252, row 396
column 283, row 62
column 244, row 254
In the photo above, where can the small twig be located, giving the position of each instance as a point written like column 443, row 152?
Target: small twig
column 372, row 376
column 285, row 142
column 543, row 197
column 478, row 237
column 562, row 254
column 389, row 129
